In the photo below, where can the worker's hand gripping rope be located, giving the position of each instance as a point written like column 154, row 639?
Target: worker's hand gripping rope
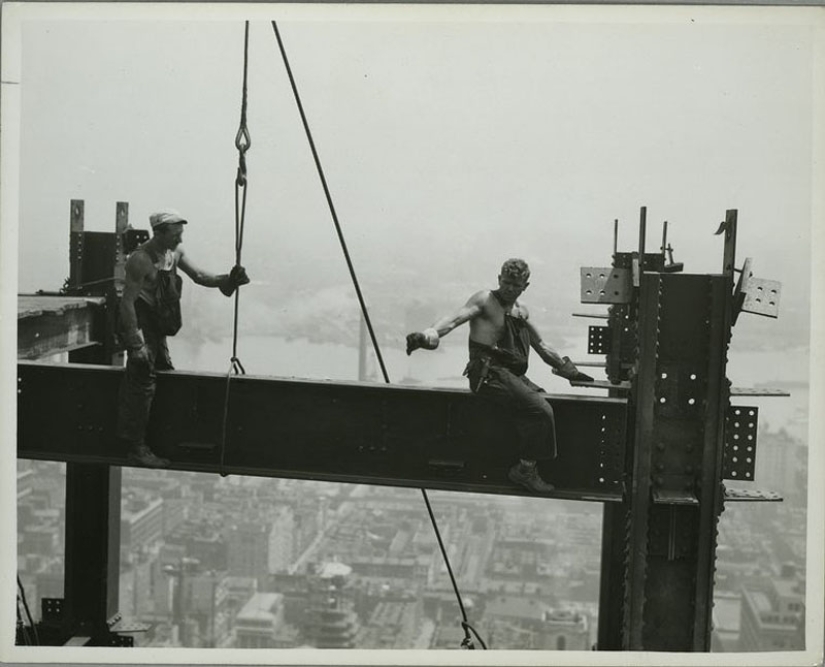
column 233, row 280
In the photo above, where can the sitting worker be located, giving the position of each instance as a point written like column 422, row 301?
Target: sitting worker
column 149, row 312
column 500, row 338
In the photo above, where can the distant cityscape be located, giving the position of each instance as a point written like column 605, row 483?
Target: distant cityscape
column 243, row 562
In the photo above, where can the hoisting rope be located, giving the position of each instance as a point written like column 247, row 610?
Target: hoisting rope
column 467, row 642
column 22, row 596
column 242, row 143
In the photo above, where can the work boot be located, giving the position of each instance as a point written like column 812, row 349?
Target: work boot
column 528, row 477
column 142, row 455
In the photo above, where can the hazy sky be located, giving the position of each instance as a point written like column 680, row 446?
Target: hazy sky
column 448, row 144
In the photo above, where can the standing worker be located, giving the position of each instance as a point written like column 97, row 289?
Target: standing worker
column 149, row 312
column 501, row 335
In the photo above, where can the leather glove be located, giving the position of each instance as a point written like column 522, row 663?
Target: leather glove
column 427, row 339
column 237, row 277
column 570, row 373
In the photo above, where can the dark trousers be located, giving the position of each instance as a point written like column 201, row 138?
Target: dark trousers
column 535, row 423
column 137, row 389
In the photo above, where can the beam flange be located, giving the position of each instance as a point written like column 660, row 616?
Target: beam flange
column 48, row 325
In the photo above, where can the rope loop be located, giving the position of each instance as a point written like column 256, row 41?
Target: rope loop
column 243, row 141
column 237, row 366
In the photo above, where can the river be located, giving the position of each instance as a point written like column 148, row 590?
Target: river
column 300, row 358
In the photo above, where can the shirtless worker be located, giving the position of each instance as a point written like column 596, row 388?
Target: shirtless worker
column 149, row 312
column 501, row 335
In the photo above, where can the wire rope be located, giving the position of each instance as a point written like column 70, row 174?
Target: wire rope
column 467, row 642
column 243, row 142
column 28, row 613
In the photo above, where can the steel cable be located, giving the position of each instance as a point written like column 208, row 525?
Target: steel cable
column 243, row 142
column 468, row 641
column 28, row 613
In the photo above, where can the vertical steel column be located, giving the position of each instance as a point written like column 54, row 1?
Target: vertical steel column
column 612, row 578
column 92, row 524
column 710, row 489
column 640, row 492
column 121, row 225
column 680, row 399
column 76, row 212
column 92, row 564
column 718, row 401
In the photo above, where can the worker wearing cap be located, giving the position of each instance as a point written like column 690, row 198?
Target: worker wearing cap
column 149, row 312
column 501, row 335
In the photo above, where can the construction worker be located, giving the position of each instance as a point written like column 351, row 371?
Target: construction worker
column 500, row 338
column 149, row 312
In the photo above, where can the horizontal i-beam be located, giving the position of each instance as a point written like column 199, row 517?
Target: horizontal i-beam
column 48, row 325
column 333, row 431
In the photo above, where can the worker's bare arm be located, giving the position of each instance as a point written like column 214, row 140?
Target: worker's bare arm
column 547, row 353
column 428, row 339
column 198, row 275
column 469, row 311
column 562, row 366
column 138, row 268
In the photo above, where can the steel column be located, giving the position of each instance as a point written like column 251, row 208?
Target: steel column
column 92, row 525
column 643, row 398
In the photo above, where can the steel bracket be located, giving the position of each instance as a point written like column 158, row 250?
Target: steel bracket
column 605, row 285
column 756, row 295
column 740, row 443
column 598, row 340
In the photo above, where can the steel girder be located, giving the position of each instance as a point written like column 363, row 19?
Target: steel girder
column 676, row 497
column 345, row 432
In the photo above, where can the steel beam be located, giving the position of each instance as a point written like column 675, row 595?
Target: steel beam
column 345, row 432
column 48, row 325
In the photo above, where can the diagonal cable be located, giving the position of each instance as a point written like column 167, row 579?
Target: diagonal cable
column 467, row 643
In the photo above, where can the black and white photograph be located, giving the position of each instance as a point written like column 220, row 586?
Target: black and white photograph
column 394, row 334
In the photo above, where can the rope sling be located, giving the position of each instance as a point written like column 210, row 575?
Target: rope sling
column 243, row 143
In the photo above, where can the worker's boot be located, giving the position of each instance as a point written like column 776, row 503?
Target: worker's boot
column 527, row 475
column 142, row 455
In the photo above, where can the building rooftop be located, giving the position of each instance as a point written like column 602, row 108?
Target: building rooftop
column 726, row 613
column 789, row 588
column 330, row 570
column 517, row 607
column 260, row 607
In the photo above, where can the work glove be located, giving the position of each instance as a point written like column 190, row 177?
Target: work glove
column 570, row 373
column 428, row 339
column 237, row 277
